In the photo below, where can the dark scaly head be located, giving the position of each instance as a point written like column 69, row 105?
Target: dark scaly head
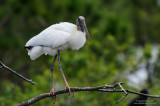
column 81, row 25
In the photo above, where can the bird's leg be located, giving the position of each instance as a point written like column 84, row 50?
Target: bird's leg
column 52, row 90
column 59, row 65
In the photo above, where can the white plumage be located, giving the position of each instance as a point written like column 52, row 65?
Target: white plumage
column 59, row 36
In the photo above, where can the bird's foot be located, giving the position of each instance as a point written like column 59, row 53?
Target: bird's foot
column 52, row 92
column 54, row 99
column 69, row 89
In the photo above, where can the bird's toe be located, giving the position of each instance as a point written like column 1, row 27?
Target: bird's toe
column 54, row 98
column 52, row 92
column 69, row 89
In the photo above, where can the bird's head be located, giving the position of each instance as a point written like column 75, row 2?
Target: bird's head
column 81, row 25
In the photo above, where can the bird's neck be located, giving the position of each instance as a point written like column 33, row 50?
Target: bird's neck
column 80, row 27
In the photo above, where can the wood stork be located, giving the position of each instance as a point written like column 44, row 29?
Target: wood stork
column 57, row 38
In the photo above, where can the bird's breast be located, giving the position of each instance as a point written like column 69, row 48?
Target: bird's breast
column 77, row 40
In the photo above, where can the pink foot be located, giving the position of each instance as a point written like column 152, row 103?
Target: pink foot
column 52, row 93
column 69, row 89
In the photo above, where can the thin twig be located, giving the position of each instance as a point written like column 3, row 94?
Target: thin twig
column 123, row 91
column 129, row 91
column 122, row 88
column 122, row 98
column 19, row 75
column 102, row 88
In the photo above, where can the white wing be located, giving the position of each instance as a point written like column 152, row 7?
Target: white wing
column 53, row 37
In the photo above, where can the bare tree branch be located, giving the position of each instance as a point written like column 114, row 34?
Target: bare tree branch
column 14, row 72
column 126, row 93
column 103, row 88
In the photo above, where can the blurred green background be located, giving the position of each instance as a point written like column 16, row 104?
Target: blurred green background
column 124, row 47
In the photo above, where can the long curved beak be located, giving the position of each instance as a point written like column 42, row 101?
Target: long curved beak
column 86, row 30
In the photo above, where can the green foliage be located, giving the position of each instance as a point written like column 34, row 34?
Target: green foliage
column 116, row 29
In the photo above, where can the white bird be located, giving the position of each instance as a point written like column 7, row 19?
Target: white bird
column 57, row 38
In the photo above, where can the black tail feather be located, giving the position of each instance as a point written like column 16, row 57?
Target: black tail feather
column 28, row 47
